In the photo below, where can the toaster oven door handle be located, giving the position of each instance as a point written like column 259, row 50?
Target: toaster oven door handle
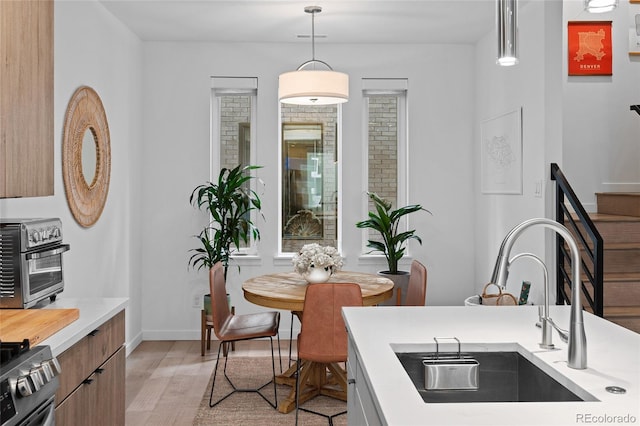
column 40, row 254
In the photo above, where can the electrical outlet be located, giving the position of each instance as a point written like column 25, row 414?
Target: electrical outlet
column 197, row 301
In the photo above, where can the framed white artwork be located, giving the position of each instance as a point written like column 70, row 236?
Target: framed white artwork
column 634, row 27
column 501, row 154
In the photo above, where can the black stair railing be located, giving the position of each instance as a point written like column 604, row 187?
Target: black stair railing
column 589, row 242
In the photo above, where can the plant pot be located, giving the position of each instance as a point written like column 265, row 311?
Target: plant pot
column 400, row 282
column 206, row 305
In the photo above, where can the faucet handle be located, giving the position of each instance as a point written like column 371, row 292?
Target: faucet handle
column 564, row 334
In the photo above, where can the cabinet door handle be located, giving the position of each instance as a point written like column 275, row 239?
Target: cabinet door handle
column 87, row 381
column 351, row 381
column 99, row 370
column 94, row 332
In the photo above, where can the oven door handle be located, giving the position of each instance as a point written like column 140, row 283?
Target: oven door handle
column 40, row 254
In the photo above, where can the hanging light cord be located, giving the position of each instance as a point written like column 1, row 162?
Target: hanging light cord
column 313, row 10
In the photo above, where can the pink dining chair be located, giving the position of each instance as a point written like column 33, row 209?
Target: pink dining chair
column 230, row 328
column 323, row 334
column 417, row 288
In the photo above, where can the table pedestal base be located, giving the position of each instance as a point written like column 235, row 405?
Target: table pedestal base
column 316, row 378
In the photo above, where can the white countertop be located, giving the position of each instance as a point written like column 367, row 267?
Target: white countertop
column 613, row 358
column 93, row 312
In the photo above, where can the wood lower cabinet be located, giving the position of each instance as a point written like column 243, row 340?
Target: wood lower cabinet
column 26, row 98
column 92, row 383
column 97, row 399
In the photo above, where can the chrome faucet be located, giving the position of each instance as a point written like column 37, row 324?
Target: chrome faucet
column 546, row 323
column 577, row 353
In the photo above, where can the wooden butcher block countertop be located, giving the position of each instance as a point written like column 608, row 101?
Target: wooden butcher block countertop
column 34, row 324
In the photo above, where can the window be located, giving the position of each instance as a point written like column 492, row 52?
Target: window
column 309, row 170
column 233, row 117
column 385, row 105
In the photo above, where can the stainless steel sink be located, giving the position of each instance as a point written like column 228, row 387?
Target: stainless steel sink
column 504, row 376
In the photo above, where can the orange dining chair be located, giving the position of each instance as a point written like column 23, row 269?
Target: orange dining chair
column 323, row 334
column 230, row 328
column 417, row 288
column 293, row 316
column 206, row 326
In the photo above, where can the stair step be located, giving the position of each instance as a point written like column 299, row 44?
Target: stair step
column 618, row 258
column 618, row 222
column 625, row 316
column 621, row 246
column 619, row 203
column 606, row 217
column 615, row 228
column 621, row 290
column 622, row 311
column 622, row 277
column 621, row 257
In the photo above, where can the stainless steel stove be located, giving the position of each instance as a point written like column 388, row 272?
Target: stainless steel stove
column 28, row 384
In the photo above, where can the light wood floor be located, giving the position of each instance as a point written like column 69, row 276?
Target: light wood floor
column 166, row 379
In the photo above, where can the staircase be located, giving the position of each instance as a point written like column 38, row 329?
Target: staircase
column 609, row 242
column 618, row 222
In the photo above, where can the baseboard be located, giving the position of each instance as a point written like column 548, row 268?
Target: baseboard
column 588, row 207
column 132, row 344
column 171, row 335
column 195, row 335
column 620, row 187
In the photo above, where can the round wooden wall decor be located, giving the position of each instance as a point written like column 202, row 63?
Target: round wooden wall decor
column 86, row 156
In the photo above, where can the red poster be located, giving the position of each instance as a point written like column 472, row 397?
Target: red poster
column 590, row 48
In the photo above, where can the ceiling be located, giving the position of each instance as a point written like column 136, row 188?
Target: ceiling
column 278, row 21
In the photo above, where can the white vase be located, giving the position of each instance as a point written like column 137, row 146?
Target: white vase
column 317, row 275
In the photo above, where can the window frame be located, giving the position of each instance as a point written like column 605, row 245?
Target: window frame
column 238, row 86
column 388, row 87
column 338, row 150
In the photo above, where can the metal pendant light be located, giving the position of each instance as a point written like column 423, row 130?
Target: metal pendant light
column 507, row 31
column 600, row 6
column 313, row 87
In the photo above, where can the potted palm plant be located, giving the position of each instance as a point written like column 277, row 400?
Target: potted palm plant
column 230, row 202
column 385, row 221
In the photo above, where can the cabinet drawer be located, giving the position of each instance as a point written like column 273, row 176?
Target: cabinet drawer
column 99, row 400
column 81, row 360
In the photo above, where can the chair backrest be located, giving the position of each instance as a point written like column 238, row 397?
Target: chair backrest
column 219, row 303
column 323, row 335
column 417, row 288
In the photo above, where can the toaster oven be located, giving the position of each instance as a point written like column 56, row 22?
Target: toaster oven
column 30, row 261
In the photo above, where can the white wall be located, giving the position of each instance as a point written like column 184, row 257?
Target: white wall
column 176, row 153
column 93, row 48
column 598, row 123
column 529, row 85
column 582, row 123
column 156, row 96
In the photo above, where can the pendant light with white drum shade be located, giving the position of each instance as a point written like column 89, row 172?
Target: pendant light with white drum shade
column 311, row 86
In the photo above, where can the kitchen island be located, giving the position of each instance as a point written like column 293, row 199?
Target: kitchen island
column 382, row 392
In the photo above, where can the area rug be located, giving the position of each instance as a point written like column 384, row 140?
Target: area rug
column 250, row 408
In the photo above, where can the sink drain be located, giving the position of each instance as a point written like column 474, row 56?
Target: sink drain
column 616, row 389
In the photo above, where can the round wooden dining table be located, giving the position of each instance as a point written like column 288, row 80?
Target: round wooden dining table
column 286, row 290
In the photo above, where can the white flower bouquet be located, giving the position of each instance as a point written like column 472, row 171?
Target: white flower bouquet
column 316, row 256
